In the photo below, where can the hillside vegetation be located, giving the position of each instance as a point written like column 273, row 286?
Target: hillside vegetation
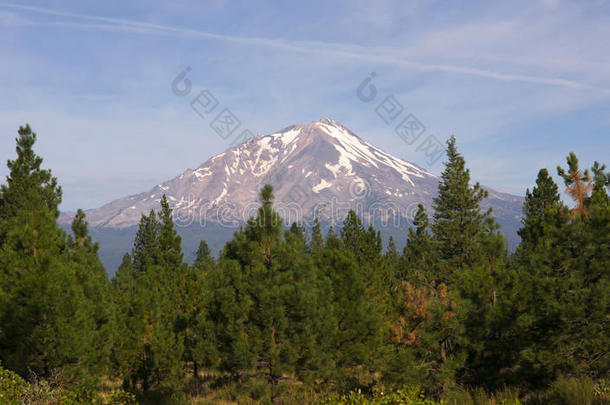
column 288, row 315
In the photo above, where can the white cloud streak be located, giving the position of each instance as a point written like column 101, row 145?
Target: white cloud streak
column 329, row 49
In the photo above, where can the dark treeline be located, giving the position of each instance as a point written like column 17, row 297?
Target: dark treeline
column 286, row 311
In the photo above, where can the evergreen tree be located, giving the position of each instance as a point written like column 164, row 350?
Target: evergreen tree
column 540, row 284
column 129, row 323
column 83, row 255
column 578, row 184
column 306, row 300
column 153, row 308
column 353, row 236
column 199, row 346
column 426, row 323
column 44, row 311
column 458, row 220
column 562, row 268
column 391, row 256
column 366, row 247
column 585, row 308
column 450, row 311
column 418, row 257
column 203, row 257
column 358, row 334
column 227, row 311
column 265, row 228
column 170, row 243
column 317, row 241
column 472, row 264
column 265, row 303
column 539, row 206
column 601, row 179
column 145, row 248
column 427, row 332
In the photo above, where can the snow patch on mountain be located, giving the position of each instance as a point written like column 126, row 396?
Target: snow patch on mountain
column 321, row 186
column 313, row 165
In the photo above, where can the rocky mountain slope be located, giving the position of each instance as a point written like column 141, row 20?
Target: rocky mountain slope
column 317, row 169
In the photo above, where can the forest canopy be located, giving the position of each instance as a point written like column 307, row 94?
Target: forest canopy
column 288, row 315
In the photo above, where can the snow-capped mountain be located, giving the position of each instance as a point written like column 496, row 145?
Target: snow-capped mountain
column 320, row 168
column 317, row 169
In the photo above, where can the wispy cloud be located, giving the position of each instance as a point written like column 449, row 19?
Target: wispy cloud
column 518, row 84
column 376, row 55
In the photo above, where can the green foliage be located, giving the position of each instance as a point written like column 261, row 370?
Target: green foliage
column 478, row 396
column 538, row 209
column 265, row 300
column 447, row 286
column 93, row 278
column 51, row 285
column 16, row 391
column 12, row 387
column 562, row 274
column 408, row 395
column 419, row 255
column 568, row 391
column 357, row 332
column 150, row 291
column 277, row 319
column 317, row 242
column 458, row 221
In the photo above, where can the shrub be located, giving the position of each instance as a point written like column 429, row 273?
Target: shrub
column 14, row 390
column 12, row 387
column 408, row 395
column 581, row 391
column 479, row 396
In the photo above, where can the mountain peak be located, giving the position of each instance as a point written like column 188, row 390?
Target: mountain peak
column 329, row 121
column 319, row 169
column 325, row 128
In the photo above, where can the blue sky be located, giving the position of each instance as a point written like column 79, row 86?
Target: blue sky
column 520, row 84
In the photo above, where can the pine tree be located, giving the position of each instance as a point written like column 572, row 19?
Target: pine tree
column 265, row 228
column 353, row 236
column 539, row 206
column 153, row 364
column 199, row 345
column 471, row 263
column 578, row 184
column 366, row 247
column 458, row 220
column 562, row 269
column 129, row 322
column 317, row 241
column 591, row 330
column 536, row 314
column 426, row 325
column 145, row 247
column 391, row 256
column 170, row 243
column 258, row 251
column 427, row 333
column 601, row 179
column 358, row 334
column 586, row 238
column 266, row 306
column 306, row 300
column 44, row 311
column 227, row 311
column 418, row 257
column 83, row 254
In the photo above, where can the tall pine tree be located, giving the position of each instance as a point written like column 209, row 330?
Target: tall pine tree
column 45, row 312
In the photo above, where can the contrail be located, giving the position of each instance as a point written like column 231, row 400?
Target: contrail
column 338, row 50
